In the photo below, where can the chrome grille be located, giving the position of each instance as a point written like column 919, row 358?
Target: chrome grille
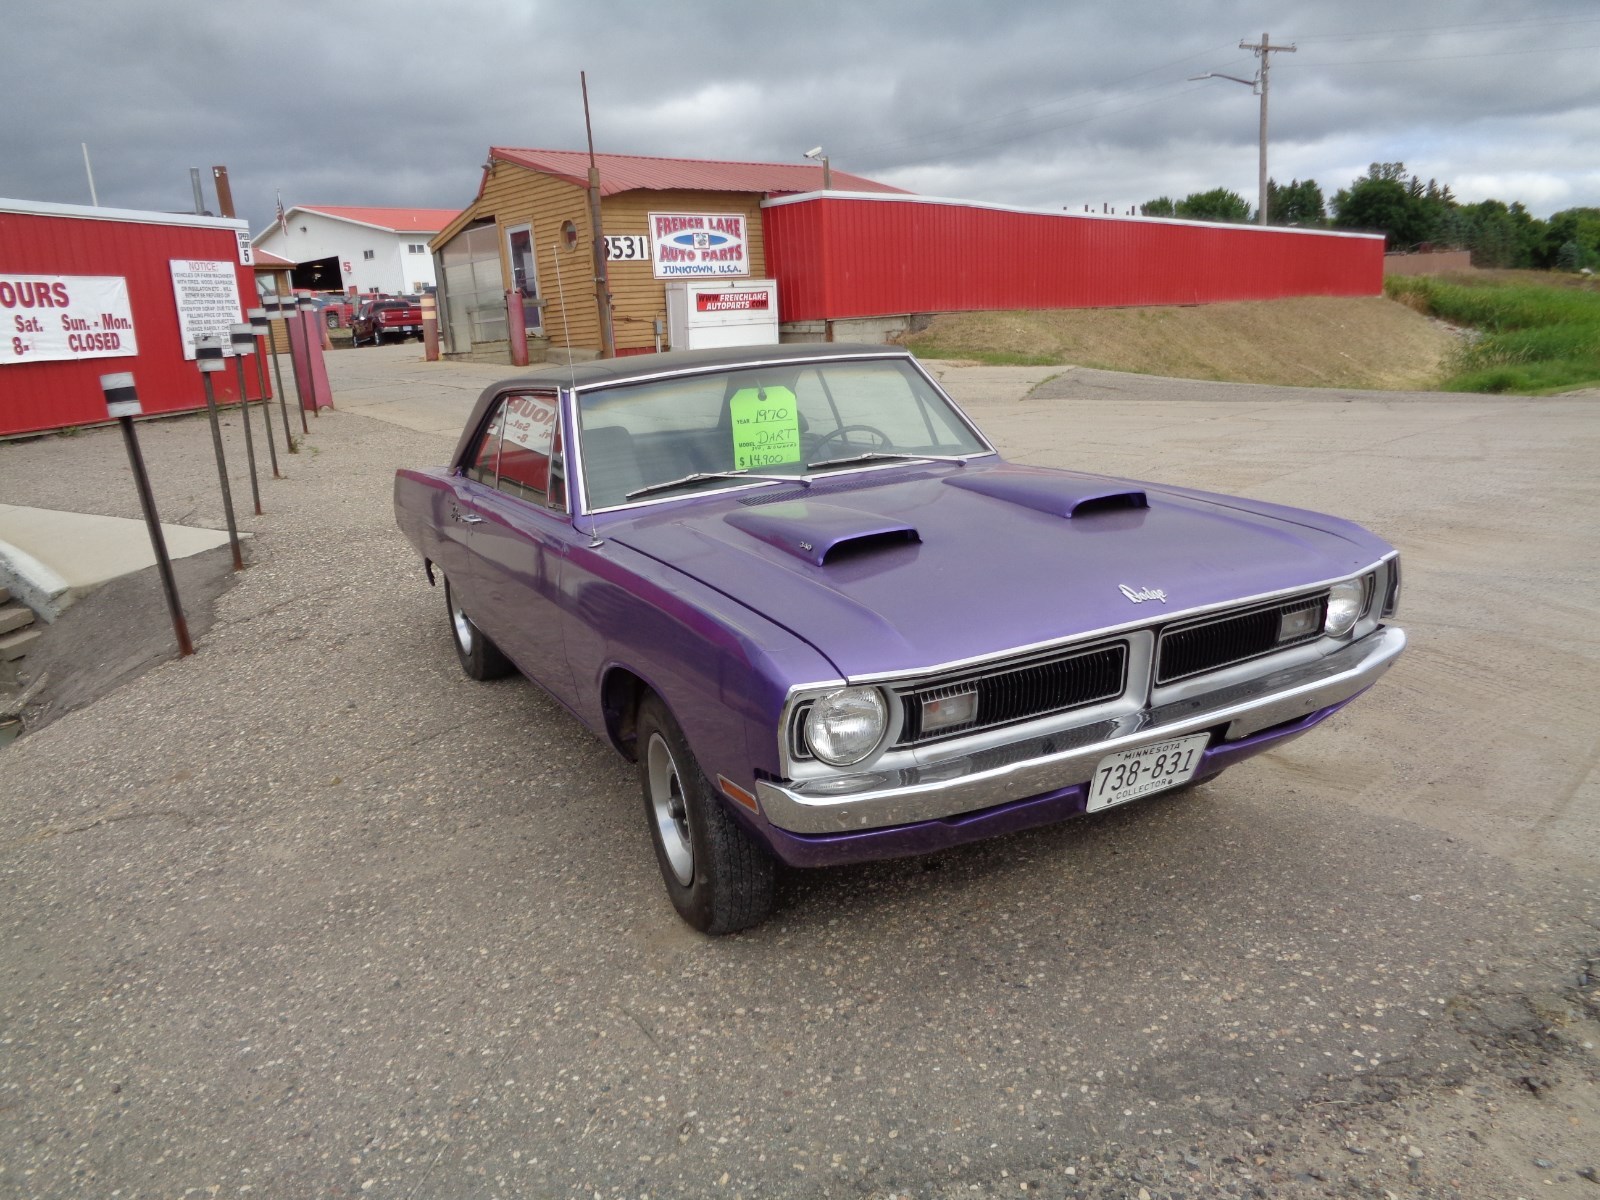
column 1020, row 691
column 1215, row 642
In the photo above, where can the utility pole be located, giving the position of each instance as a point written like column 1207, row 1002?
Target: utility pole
column 1262, row 50
column 602, row 284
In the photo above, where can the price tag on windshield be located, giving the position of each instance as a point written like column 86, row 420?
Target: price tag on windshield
column 766, row 428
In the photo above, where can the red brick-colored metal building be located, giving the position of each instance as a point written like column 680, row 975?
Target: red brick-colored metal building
column 852, row 256
column 130, row 269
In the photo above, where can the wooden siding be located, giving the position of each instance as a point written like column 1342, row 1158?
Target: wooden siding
column 515, row 196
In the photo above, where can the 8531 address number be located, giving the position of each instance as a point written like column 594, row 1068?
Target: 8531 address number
column 627, row 247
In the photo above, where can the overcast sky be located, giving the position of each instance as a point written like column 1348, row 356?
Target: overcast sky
column 1044, row 103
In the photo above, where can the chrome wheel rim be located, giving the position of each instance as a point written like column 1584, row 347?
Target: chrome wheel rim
column 462, row 625
column 668, row 807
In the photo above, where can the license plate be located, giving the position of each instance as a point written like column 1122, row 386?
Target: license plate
column 1129, row 774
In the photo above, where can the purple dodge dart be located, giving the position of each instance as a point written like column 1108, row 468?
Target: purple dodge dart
column 799, row 588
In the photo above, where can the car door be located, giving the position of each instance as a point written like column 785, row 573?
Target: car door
column 519, row 535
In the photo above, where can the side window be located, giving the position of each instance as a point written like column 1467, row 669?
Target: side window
column 520, row 452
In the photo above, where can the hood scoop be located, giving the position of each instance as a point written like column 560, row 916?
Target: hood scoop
column 1053, row 493
column 821, row 533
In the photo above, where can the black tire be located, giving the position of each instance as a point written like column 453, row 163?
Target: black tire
column 377, row 336
column 719, row 880
column 480, row 658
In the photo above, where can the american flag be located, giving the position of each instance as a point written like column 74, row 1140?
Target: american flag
column 283, row 225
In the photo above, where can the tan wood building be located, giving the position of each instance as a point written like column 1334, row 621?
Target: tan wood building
column 530, row 230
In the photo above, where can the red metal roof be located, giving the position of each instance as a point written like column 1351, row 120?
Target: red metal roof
column 400, row 220
column 267, row 260
column 631, row 172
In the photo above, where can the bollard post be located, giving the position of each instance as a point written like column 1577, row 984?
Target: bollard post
column 258, row 321
column 516, row 328
column 307, row 308
column 122, row 402
column 273, row 308
column 430, row 327
column 208, row 359
column 240, row 348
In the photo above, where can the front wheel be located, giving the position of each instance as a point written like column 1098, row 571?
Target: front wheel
column 719, row 880
column 480, row 658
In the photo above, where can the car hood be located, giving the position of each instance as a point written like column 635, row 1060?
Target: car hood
column 906, row 568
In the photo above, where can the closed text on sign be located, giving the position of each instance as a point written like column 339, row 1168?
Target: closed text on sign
column 54, row 317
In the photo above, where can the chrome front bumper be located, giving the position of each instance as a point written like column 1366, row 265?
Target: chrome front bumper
column 1034, row 766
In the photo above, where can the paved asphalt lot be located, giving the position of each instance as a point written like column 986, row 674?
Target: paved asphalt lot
column 311, row 914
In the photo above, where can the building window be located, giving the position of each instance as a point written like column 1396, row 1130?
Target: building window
column 417, row 248
column 369, row 254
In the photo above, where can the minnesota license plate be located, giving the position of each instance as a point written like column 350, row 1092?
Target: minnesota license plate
column 1129, row 774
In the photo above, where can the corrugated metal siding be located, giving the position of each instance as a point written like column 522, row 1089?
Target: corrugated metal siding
column 838, row 257
column 53, row 395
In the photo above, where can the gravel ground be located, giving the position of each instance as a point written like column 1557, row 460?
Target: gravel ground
column 311, row 914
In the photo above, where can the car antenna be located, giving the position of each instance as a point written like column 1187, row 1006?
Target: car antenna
column 595, row 540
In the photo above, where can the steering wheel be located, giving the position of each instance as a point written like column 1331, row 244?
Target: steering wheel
column 842, row 433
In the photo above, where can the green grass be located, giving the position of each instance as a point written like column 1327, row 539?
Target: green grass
column 989, row 358
column 1532, row 339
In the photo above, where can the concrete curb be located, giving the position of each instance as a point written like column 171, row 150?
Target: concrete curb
column 33, row 583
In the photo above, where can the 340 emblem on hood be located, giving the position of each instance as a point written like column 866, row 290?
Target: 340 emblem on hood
column 1140, row 595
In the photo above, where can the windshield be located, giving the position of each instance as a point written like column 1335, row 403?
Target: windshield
column 769, row 421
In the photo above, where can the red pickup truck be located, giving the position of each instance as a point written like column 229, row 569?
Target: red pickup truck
column 391, row 320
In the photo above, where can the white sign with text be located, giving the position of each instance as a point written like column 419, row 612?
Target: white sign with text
column 54, row 317
column 698, row 245
column 207, row 294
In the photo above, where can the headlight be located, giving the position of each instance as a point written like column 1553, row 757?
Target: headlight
column 845, row 726
column 1346, row 602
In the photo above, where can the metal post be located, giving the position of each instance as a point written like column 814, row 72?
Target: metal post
column 122, row 402
column 602, row 283
column 274, row 308
column 208, row 358
column 258, row 323
column 244, row 404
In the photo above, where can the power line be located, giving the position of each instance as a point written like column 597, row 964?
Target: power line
column 1367, row 62
column 1529, row 23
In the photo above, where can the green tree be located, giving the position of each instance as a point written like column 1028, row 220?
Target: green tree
column 1219, row 204
column 1297, row 203
column 1408, row 213
column 1161, row 206
column 1578, row 225
column 1569, row 257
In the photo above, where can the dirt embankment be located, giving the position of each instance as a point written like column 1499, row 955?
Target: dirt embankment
column 1312, row 341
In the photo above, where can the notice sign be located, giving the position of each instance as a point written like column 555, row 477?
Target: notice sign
column 753, row 300
column 695, row 245
column 766, row 427
column 208, row 300
column 54, row 317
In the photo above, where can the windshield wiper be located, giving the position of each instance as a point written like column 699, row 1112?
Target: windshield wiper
column 697, row 476
column 878, row 455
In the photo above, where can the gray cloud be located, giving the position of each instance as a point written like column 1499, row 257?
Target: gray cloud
column 1028, row 102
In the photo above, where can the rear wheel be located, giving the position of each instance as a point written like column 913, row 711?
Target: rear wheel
column 480, row 658
column 719, row 880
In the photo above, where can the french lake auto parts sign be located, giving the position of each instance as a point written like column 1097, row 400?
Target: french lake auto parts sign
column 697, row 245
column 208, row 299
column 53, row 317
